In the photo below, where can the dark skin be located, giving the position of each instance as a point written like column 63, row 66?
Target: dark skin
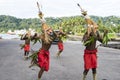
column 45, row 45
column 91, row 35
column 26, row 38
column 47, row 38
column 92, row 46
column 59, row 36
column 27, row 41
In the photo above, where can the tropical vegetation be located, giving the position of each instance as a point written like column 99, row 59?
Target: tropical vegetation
column 72, row 25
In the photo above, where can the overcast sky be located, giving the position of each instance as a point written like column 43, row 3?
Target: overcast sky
column 58, row 8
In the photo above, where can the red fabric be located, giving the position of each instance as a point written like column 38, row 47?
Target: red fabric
column 43, row 59
column 27, row 47
column 60, row 46
column 90, row 59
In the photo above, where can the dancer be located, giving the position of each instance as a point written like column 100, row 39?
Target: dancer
column 26, row 46
column 90, row 37
column 60, row 35
column 47, row 38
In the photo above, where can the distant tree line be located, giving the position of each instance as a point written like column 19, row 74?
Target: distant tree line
column 72, row 25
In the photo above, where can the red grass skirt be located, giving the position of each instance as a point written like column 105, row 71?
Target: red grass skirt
column 43, row 59
column 90, row 59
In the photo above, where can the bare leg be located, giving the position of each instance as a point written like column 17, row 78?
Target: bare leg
column 94, row 73
column 58, row 54
column 25, row 53
column 40, row 73
column 33, row 63
column 85, row 73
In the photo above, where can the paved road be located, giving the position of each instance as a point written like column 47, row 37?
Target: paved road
column 68, row 67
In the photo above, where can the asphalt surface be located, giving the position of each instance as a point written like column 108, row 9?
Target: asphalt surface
column 69, row 66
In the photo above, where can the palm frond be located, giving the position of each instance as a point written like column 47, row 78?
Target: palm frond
column 22, row 46
column 89, row 41
column 33, row 57
column 36, row 40
column 64, row 38
column 106, row 38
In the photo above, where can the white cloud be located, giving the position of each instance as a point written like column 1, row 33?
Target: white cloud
column 57, row 8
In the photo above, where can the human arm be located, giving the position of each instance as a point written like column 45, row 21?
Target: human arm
column 42, row 19
column 35, row 36
column 24, row 37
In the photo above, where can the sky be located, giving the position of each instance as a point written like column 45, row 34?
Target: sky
column 59, row 8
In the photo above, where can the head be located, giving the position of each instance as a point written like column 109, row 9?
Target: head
column 92, row 28
column 49, row 31
column 48, row 34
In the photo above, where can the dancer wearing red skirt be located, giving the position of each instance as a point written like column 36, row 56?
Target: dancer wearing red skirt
column 90, row 52
column 26, row 37
column 47, row 37
column 60, row 34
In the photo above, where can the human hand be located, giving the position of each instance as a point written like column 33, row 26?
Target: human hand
column 40, row 15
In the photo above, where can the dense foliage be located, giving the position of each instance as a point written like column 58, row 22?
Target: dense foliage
column 73, row 25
